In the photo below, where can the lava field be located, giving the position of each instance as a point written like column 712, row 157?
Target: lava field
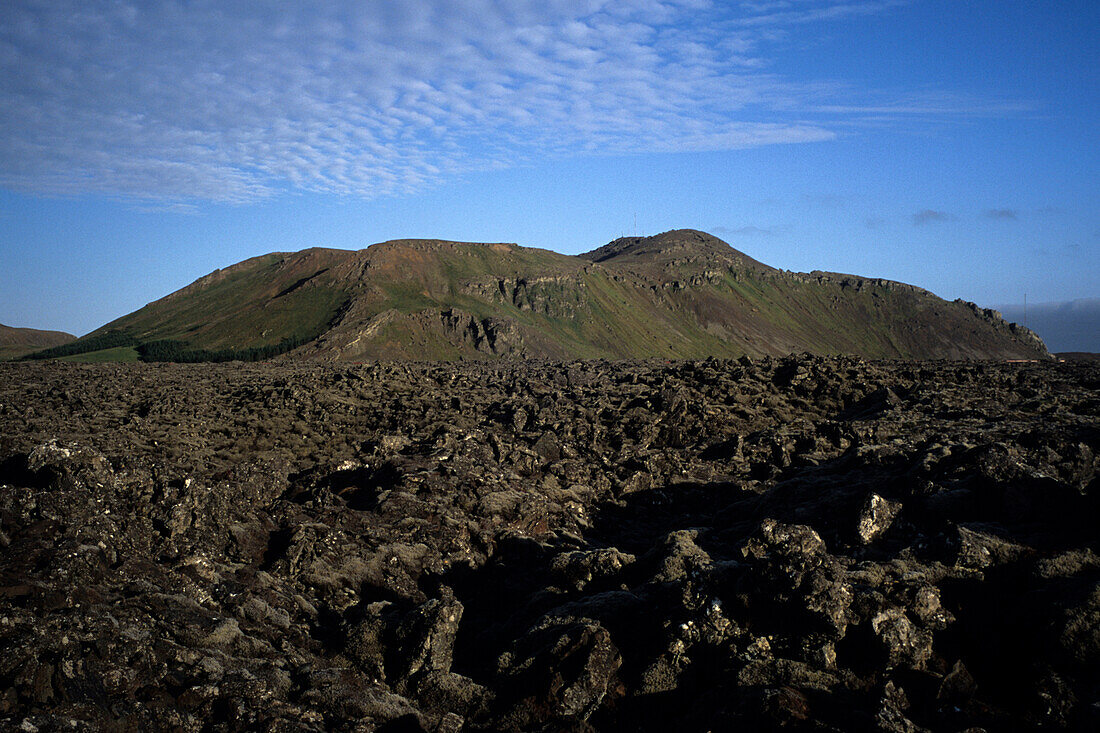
column 807, row 543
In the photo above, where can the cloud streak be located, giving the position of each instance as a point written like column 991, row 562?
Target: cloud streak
column 176, row 102
column 746, row 231
column 927, row 216
column 794, row 12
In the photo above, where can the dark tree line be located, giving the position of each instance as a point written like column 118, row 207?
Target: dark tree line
column 108, row 340
column 182, row 352
column 170, row 350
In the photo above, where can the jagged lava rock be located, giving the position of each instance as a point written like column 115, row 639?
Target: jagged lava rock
column 819, row 543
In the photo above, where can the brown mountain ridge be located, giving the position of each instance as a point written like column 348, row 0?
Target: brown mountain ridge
column 680, row 294
column 15, row 342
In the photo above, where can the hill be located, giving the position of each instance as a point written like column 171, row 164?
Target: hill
column 680, row 294
column 15, row 342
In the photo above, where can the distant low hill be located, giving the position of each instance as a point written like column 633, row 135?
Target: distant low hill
column 15, row 342
column 681, row 294
column 1067, row 326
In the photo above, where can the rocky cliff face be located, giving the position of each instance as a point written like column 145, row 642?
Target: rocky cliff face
column 814, row 543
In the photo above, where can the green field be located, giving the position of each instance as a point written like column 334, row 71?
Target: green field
column 119, row 353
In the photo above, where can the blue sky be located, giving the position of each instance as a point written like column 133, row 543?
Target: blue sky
column 948, row 144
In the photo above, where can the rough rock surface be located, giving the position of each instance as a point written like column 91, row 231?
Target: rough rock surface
column 817, row 543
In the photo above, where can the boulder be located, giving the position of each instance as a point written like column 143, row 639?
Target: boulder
column 875, row 517
column 557, row 674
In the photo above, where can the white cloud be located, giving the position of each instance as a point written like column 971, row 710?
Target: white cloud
column 794, row 12
column 232, row 101
column 927, row 103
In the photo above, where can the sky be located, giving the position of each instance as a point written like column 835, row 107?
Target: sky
column 952, row 145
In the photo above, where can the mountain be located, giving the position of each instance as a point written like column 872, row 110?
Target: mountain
column 679, row 294
column 15, row 342
column 1072, row 326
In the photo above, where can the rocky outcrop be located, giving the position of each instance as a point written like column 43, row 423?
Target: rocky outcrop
column 496, row 336
column 556, row 297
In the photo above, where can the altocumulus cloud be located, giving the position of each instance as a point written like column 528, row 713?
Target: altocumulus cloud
column 232, row 101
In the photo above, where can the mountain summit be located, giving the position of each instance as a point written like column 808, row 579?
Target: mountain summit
column 677, row 247
column 680, row 294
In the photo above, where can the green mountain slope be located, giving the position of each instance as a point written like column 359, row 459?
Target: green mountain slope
column 680, row 294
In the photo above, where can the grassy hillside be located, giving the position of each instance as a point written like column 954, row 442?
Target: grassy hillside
column 680, row 294
column 17, row 342
column 258, row 302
